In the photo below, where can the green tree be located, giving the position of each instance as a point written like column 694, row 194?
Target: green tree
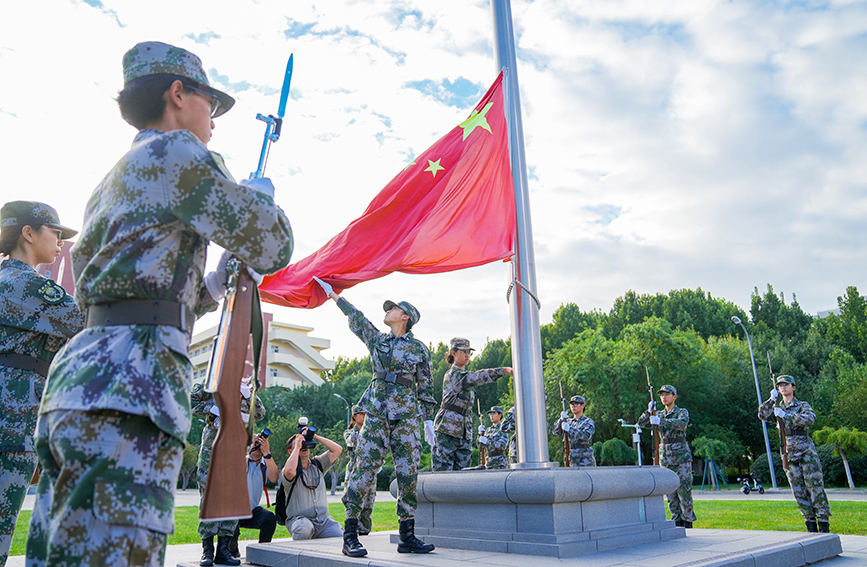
column 789, row 321
column 847, row 442
column 848, row 330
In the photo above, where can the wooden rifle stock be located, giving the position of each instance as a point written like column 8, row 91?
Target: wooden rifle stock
column 222, row 499
column 781, row 430
column 655, row 427
column 482, row 458
column 567, row 450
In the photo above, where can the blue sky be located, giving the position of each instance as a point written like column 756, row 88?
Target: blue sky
column 671, row 145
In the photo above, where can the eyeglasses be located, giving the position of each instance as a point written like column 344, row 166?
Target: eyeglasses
column 57, row 232
column 215, row 102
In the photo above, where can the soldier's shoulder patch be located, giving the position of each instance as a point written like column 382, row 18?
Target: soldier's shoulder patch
column 51, row 293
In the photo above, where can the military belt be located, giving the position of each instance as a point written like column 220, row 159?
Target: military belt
column 25, row 362
column 456, row 408
column 392, row 378
column 495, row 453
column 580, row 446
column 802, row 431
column 675, row 439
column 141, row 312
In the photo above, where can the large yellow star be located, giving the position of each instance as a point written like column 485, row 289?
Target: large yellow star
column 476, row 119
column 434, row 166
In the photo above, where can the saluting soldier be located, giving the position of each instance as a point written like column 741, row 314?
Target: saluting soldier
column 350, row 436
column 37, row 317
column 454, row 420
column 580, row 430
column 496, row 439
column 116, row 410
column 805, row 470
column 401, row 391
column 205, row 408
column 676, row 456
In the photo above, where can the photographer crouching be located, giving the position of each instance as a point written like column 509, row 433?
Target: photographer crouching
column 306, row 502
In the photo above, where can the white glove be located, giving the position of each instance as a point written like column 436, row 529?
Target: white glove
column 215, row 409
column 429, row 436
column 775, row 394
column 261, row 184
column 325, row 286
column 257, row 277
column 779, row 412
column 215, row 282
column 482, row 429
column 565, row 426
column 483, row 440
column 654, row 420
column 564, row 415
column 651, row 406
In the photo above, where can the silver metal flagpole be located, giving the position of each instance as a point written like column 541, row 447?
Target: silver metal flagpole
column 526, row 340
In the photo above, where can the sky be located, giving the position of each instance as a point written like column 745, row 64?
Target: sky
column 670, row 145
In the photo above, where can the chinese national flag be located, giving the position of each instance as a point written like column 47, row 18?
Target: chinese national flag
column 451, row 208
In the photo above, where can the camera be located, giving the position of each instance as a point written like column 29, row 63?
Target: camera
column 308, row 442
column 264, row 435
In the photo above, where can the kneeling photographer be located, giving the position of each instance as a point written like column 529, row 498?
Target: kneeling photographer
column 303, row 482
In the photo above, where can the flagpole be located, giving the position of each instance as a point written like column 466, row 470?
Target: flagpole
column 526, row 340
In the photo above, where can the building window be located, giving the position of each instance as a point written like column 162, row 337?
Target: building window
column 275, row 348
column 272, row 372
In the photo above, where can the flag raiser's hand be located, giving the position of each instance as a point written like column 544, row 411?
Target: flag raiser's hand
column 329, row 291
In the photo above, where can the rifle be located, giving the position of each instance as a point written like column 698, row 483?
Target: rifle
column 655, row 427
column 240, row 321
column 566, row 446
column 482, row 459
column 780, row 428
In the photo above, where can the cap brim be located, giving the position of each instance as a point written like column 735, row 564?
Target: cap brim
column 389, row 305
column 65, row 232
column 226, row 102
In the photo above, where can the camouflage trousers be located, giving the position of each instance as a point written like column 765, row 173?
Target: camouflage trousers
column 365, row 517
column 808, row 486
column 377, row 437
column 496, row 462
column 210, row 529
column 16, row 471
column 106, row 493
column 582, row 458
column 680, row 501
column 451, row 453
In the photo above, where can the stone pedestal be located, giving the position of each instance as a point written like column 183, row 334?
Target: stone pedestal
column 553, row 512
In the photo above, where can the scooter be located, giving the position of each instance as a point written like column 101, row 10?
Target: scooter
column 746, row 487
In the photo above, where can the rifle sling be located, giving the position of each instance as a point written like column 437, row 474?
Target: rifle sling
column 141, row 312
column 24, row 362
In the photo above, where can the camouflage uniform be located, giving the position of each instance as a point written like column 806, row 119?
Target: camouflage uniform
column 677, row 457
column 454, row 420
column 351, row 437
column 498, row 441
column 203, row 403
column 393, row 411
column 508, row 426
column 36, row 319
column 805, row 470
column 580, row 433
column 146, row 231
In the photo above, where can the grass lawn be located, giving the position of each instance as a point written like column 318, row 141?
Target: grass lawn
column 848, row 518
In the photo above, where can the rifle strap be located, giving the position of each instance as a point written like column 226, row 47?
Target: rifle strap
column 257, row 332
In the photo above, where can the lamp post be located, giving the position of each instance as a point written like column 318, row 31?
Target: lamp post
column 349, row 415
column 737, row 321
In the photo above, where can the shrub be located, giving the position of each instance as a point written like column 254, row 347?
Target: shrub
column 761, row 470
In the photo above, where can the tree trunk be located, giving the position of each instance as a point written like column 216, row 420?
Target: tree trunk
column 846, row 466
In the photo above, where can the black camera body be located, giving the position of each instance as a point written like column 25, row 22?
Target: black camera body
column 264, row 435
column 308, row 442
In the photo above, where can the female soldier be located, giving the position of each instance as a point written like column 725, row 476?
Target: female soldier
column 36, row 318
column 351, row 437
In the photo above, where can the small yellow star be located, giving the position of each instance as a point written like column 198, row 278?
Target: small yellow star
column 476, row 119
column 409, row 164
column 434, row 166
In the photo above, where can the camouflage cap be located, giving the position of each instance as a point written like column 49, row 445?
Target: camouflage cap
column 22, row 213
column 667, row 388
column 576, row 400
column 785, row 379
column 407, row 308
column 496, row 409
column 357, row 409
column 157, row 58
column 460, row 343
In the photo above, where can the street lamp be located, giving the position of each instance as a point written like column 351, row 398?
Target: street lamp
column 737, row 321
column 349, row 415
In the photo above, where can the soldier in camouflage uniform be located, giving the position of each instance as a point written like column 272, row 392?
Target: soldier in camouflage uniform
column 350, row 436
column 509, row 427
column 496, row 439
column 205, row 408
column 676, row 456
column 116, row 408
column 454, row 420
column 805, row 470
column 401, row 391
column 36, row 318
column 580, row 430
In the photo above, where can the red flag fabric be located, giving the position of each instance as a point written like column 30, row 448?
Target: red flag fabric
column 453, row 207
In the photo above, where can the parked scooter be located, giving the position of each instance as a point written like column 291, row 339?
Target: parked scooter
column 749, row 483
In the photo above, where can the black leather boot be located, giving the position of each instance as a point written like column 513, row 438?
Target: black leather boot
column 408, row 542
column 222, row 556
column 811, row 526
column 825, row 527
column 678, row 523
column 687, row 524
column 351, row 546
column 207, row 552
column 233, row 544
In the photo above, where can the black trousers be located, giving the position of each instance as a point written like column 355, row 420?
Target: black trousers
column 263, row 520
